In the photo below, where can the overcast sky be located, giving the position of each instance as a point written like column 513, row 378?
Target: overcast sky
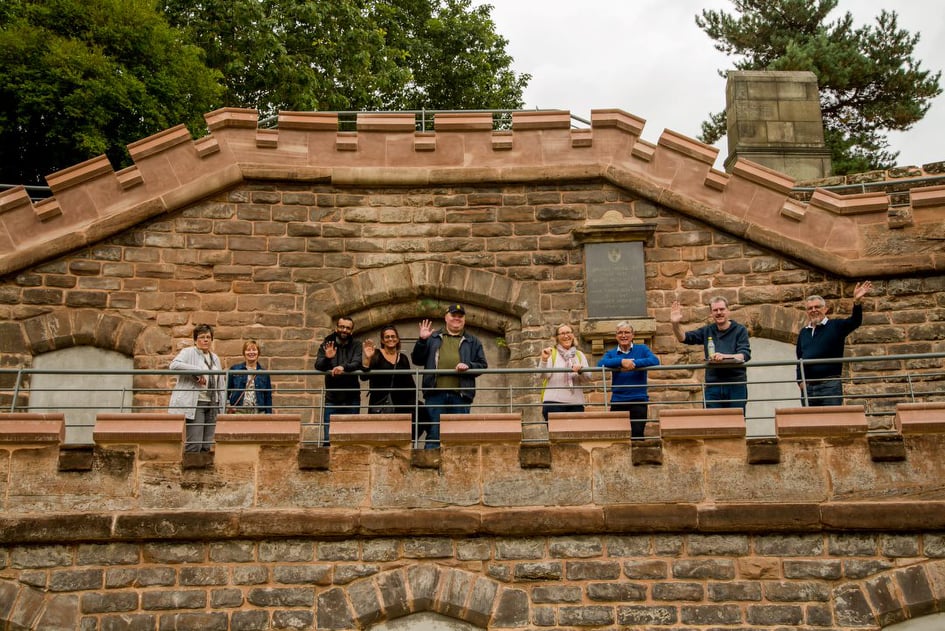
column 649, row 58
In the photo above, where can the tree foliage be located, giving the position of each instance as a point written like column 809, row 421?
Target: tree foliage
column 78, row 79
column 353, row 55
column 869, row 81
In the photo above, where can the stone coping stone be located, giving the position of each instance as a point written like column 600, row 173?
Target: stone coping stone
column 259, row 428
column 139, row 427
column 32, row 427
column 920, row 418
column 190, row 525
column 830, row 420
column 480, row 428
column 702, row 423
column 371, row 429
column 564, row 427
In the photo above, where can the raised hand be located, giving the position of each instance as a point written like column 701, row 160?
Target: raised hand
column 675, row 312
column 426, row 329
column 330, row 350
column 545, row 354
column 367, row 352
column 861, row 290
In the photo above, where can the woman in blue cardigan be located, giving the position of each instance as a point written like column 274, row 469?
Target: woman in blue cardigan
column 247, row 395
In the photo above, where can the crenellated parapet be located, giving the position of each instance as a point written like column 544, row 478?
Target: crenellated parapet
column 697, row 472
column 851, row 235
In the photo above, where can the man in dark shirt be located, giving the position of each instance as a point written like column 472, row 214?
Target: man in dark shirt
column 726, row 347
column 824, row 338
column 340, row 357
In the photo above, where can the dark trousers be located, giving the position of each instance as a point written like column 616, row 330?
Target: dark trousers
column 638, row 412
column 550, row 406
column 827, row 392
column 350, row 407
column 726, row 395
column 437, row 403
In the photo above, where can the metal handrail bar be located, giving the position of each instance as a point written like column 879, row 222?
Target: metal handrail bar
column 862, row 186
column 533, row 370
column 524, row 396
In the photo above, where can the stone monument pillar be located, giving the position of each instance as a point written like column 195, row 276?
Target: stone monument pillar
column 774, row 120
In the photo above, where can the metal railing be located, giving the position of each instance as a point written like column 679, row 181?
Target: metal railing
column 425, row 120
column 878, row 383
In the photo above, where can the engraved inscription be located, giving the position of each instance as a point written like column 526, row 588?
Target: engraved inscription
column 615, row 280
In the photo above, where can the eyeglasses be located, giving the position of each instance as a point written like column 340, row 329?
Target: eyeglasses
column 391, row 337
column 624, row 332
column 205, row 337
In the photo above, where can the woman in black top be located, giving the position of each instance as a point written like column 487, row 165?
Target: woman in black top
column 390, row 392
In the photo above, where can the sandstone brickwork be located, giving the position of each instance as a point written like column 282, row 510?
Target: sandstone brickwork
column 272, row 234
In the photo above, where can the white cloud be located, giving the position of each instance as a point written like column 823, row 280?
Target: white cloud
column 649, row 58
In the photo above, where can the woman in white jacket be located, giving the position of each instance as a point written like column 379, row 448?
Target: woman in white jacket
column 198, row 397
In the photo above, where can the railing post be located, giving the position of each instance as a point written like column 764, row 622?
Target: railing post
column 16, row 389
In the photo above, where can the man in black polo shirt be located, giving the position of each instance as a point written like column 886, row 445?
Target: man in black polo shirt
column 824, row 338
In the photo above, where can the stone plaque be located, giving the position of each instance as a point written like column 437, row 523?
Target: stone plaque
column 615, row 280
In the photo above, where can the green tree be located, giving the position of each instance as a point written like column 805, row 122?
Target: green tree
column 869, row 81
column 80, row 78
column 352, row 55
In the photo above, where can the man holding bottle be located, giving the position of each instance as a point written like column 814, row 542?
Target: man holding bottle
column 726, row 350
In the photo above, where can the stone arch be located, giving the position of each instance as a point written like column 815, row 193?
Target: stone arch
column 89, row 327
column 426, row 587
column 774, row 322
column 423, row 289
column 892, row 597
column 23, row 608
column 147, row 345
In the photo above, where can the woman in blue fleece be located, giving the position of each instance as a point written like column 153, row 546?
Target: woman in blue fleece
column 628, row 384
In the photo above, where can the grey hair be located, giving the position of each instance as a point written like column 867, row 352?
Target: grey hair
column 819, row 299
column 716, row 299
column 625, row 324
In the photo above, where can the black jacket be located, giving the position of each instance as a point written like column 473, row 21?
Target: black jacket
column 343, row 389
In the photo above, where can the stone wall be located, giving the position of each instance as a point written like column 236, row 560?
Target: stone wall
column 278, row 262
column 832, row 528
column 646, row 581
column 272, row 234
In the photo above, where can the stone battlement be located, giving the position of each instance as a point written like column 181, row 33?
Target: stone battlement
column 91, row 201
column 697, row 473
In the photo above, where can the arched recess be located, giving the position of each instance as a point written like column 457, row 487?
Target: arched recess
column 23, row 608
column 905, row 599
column 498, row 309
column 452, row 592
column 81, row 395
column 773, row 334
column 89, row 327
column 89, row 339
column 422, row 290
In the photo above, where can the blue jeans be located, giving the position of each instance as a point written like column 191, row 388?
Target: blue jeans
column 437, row 403
column 336, row 408
column 727, row 395
column 827, row 392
